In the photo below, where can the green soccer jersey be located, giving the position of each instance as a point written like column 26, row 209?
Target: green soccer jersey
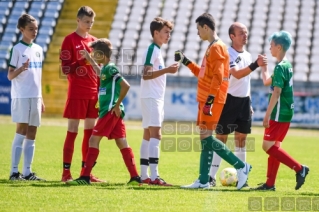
column 282, row 78
column 110, row 88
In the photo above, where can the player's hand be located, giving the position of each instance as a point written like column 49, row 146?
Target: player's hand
column 180, row 57
column 262, row 60
column 85, row 54
column 117, row 111
column 25, row 65
column 42, row 107
column 266, row 121
column 173, row 68
column 207, row 109
column 251, row 110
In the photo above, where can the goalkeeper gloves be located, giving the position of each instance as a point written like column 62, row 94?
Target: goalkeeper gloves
column 180, row 57
column 207, row 109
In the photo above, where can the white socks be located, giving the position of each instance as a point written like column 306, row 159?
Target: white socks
column 153, row 157
column 240, row 152
column 215, row 165
column 16, row 152
column 28, row 151
column 144, row 159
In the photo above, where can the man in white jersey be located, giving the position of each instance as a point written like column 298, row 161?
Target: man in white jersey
column 236, row 115
column 153, row 85
column 25, row 71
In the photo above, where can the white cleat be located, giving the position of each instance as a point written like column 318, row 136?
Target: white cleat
column 197, row 185
column 242, row 175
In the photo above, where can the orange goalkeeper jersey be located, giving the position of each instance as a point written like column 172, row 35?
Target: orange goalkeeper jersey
column 213, row 74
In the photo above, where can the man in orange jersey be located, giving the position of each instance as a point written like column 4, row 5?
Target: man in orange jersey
column 211, row 96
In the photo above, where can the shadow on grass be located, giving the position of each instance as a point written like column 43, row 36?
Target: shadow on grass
column 309, row 194
column 10, row 183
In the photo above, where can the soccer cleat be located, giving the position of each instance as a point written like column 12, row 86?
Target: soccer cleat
column 212, row 182
column 245, row 185
column 94, row 179
column 242, row 175
column 135, row 181
column 16, row 176
column 160, row 182
column 66, row 177
column 79, row 181
column 301, row 176
column 33, row 177
column 197, row 185
column 264, row 187
column 146, row 181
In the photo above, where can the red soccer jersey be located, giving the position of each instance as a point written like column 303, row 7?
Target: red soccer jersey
column 83, row 81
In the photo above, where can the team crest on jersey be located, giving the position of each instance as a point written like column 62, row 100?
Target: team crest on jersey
column 103, row 77
column 160, row 67
column 37, row 54
column 207, row 53
column 238, row 59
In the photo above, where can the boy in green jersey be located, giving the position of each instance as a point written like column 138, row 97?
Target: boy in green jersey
column 279, row 113
column 110, row 124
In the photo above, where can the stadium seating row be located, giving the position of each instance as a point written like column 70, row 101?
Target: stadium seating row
column 130, row 28
column 46, row 12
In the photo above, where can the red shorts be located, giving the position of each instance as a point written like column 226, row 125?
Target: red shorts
column 80, row 109
column 277, row 131
column 110, row 126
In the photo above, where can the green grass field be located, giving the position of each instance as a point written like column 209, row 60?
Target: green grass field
column 176, row 167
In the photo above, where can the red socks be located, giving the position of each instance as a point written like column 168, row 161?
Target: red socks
column 85, row 142
column 68, row 147
column 273, row 166
column 91, row 157
column 128, row 157
column 283, row 157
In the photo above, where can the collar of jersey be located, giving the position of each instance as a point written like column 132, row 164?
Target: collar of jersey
column 156, row 45
column 24, row 43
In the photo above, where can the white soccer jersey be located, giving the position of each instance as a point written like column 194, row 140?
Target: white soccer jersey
column 240, row 60
column 28, row 83
column 154, row 88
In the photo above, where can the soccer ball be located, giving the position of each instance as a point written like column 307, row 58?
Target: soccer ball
column 228, row 177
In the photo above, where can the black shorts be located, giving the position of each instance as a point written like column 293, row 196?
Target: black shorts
column 236, row 116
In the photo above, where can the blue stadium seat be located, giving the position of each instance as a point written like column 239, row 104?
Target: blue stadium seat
column 11, row 28
column 43, row 38
column 3, row 64
column 44, row 45
column 48, row 30
column 48, row 21
column 10, row 36
column 54, row 5
column 5, row 45
column 4, row 54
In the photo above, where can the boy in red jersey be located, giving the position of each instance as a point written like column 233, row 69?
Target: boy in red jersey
column 82, row 91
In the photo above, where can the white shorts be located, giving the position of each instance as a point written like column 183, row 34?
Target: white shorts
column 26, row 110
column 152, row 112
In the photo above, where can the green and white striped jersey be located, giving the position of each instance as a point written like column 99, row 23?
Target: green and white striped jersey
column 282, row 78
column 110, row 88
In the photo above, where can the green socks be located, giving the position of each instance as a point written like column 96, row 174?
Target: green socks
column 210, row 144
column 206, row 158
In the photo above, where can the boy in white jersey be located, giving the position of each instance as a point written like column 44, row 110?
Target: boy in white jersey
column 153, row 85
column 25, row 71
column 236, row 114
